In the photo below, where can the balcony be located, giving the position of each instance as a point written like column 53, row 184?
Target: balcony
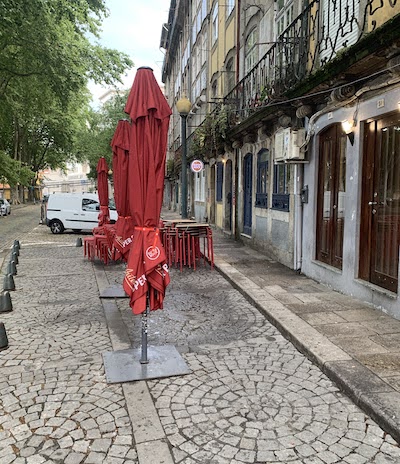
column 315, row 48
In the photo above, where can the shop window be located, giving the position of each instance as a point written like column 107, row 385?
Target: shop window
column 262, row 179
column 280, row 196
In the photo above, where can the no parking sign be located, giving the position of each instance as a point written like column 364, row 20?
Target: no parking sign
column 197, row 166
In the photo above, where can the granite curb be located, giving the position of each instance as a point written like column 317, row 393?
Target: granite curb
column 366, row 389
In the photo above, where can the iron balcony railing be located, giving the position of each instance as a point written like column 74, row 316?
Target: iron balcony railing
column 313, row 39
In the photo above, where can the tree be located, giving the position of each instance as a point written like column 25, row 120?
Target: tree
column 46, row 60
column 95, row 137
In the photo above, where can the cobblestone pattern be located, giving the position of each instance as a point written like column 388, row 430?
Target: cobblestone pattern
column 251, row 396
column 55, row 404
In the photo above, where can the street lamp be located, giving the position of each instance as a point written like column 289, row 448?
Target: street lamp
column 183, row 106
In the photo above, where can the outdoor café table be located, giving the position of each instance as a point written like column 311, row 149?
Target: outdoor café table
column 170, row 239
column 188, row 237
column 174, row 222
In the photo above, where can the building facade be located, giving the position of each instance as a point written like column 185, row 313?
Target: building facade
column 299, row 131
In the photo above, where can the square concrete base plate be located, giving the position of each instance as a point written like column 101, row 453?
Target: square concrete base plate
column 125, row 366
column 114, row 292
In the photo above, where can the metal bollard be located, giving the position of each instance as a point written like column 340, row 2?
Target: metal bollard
column 78, row 242
column 14, row 257
column 15, row 249
column 17, row 244
column 11, row 268
column 3, row 337
column 5, row 302
column 8, row 283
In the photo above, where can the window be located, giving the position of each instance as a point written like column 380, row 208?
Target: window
column 229, row 76
column 215, row 23
column 220, row 177
column 285, row 16
column 262, row 179
column 251, row 50
column 214, row 90
column 230, row 5
column 280, row 196
column 90, row 205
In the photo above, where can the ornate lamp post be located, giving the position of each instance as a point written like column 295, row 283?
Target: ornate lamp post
column 183, row 106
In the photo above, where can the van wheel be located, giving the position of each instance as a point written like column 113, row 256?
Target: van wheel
column 57, row 227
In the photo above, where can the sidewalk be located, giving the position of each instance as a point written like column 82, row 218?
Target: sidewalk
column 355, row 345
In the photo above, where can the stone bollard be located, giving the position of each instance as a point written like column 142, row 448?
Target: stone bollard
column 11, row 268
column 5, row 302
column 78, row 242
column 3, row 337
column 8, row 283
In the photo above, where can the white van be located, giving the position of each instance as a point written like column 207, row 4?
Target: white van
column 76, row 211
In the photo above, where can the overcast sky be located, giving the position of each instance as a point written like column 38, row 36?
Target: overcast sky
column 134, row 27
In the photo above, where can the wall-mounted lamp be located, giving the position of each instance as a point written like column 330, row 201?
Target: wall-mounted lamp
column 348, row 129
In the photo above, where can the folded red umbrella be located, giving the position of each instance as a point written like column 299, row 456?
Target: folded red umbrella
column 124, row 229
column 102, row 188
column 147, row 272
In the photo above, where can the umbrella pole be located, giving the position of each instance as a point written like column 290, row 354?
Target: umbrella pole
column 143, row 359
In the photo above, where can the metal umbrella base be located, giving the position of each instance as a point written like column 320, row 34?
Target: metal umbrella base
column 127, row 365
column 147, row 362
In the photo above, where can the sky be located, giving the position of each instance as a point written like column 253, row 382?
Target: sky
column 134, row 27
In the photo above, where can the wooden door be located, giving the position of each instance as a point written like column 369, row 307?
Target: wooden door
column 380, row 208
column 331, row 196
column 248, row 193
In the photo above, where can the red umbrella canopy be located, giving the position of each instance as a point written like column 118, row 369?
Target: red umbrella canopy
column 120, row 148
column 147, row 272
column 102, row 188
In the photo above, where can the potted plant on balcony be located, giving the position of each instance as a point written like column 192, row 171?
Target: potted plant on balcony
column 210, row 138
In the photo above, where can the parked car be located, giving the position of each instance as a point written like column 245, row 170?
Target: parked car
column 76, row 211
column 5, row 207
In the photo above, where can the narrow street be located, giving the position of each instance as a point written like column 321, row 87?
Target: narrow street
column 251, row 397
column 22, row 220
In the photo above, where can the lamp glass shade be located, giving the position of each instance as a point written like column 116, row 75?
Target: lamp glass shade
column 183, row 106
column 347, row 126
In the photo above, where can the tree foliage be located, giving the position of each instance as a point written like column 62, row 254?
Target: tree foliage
column 94, row 139
column 46, row 61
column 209, row 139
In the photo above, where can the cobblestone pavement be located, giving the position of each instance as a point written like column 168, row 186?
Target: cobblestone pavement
column 55, row 406
column 251, row 396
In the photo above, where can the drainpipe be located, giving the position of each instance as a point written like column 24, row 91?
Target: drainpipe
column 298, row 217
column 238, row 6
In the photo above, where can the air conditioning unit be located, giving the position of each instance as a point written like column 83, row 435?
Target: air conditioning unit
column 289, row 145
